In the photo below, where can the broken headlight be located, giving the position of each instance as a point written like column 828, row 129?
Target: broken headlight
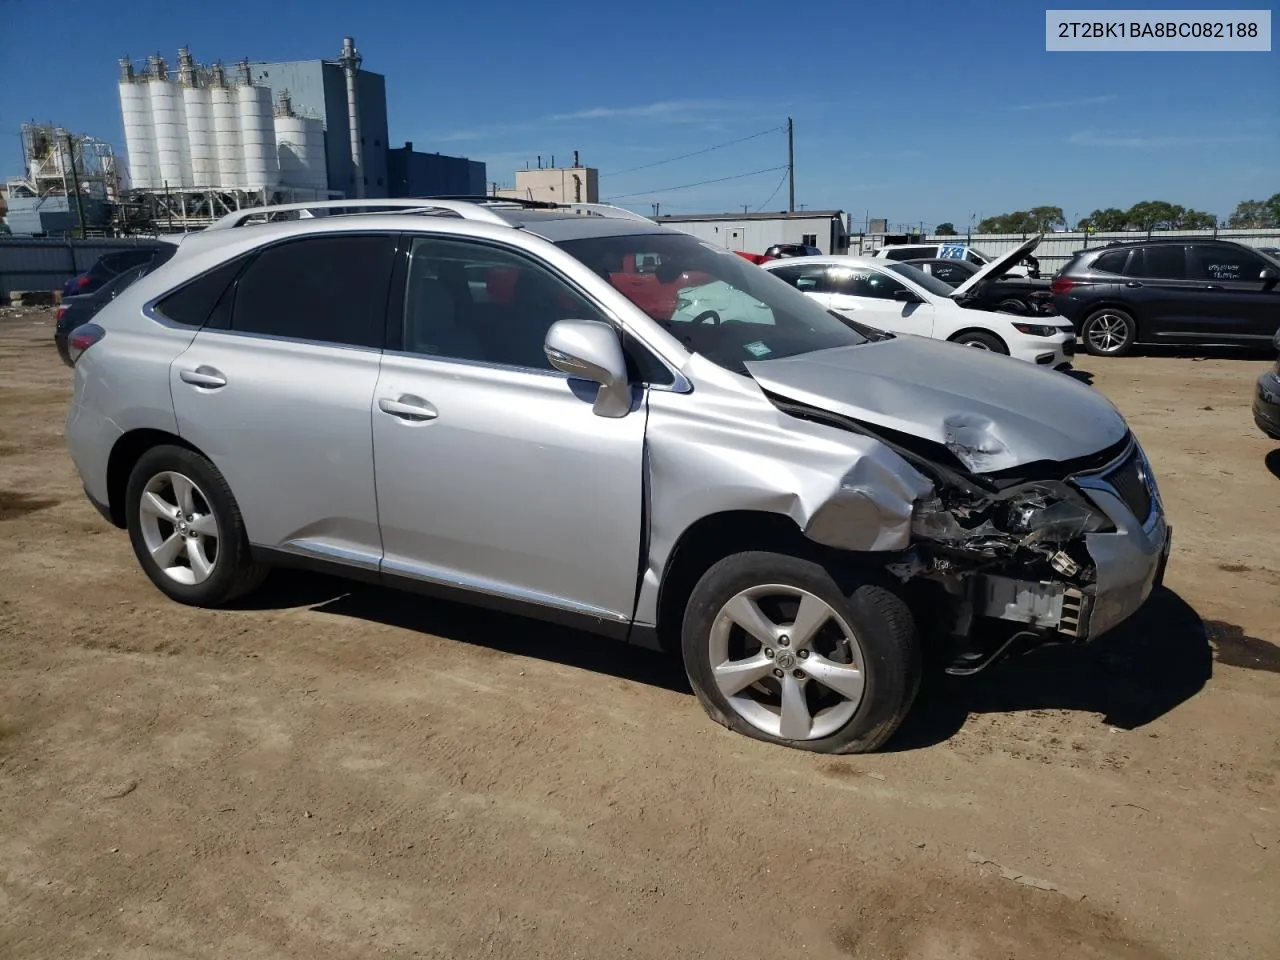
column 1040, row 513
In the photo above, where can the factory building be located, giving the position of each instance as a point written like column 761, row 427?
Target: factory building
column 68, row 181
column 575, row 184
column 756, row 232
column 204, row 141
column 411, row 173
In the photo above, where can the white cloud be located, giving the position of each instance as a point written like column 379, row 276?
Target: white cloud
column 671, row 110
column 1056, row 104
column 1097, row 138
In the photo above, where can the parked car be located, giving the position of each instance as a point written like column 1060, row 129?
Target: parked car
column 792, row 250
column 1172, row 290
column 77, row 310
column 899, row 298
column 1022, row 295
column 1029, row 266
column 111, row 265
column 1272, row 252
column 797, row 507
column 756, row 258
column 1266, row 401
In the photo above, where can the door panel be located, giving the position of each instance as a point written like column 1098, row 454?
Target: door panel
column 867, row 295
column 290, row 432
column 514, row 487
column 1242, row 306
column 277, row 389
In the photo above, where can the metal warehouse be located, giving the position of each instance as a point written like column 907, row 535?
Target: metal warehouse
column 755, row 232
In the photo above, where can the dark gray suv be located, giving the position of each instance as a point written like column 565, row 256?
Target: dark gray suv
column 1176, row 290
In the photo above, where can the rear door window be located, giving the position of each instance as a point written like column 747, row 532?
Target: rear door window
column 807, row 279
column 1163, row 262
column 331, row 289
column 1220, row 263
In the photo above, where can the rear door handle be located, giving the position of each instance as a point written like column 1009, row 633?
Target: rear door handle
column 408, row 407
column 203, row 376
column 1212, row 286
column 1133, row 283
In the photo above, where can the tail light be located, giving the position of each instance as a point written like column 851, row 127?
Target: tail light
column 62, row 312
column 82, row 338
column 82, row 281
column 1061, row 285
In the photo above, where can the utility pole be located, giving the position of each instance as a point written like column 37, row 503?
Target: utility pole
column 746, row 207
column 791, row 167
column 655, row 208
column 75, row 183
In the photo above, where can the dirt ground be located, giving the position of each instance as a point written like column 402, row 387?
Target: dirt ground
column 343, row 771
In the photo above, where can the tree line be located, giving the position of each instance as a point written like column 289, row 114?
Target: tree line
column 1144, row 215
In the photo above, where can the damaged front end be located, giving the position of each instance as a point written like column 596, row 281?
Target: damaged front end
column 1043, row 552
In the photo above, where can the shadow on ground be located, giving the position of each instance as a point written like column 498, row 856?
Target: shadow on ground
column 1273, row 463
column 1140, row 671
column 1084, row 376
column 483, row 628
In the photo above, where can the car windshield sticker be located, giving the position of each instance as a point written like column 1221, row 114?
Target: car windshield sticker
column 757, row 349
column 951, row 251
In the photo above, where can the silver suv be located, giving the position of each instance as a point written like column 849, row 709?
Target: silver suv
column 514, row 403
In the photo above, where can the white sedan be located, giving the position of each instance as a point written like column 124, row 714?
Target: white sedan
column 901, row 299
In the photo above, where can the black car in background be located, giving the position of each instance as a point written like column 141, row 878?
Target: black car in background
column 1266, row 399
column 110, row 265
column 1025, row 295
column 77, row 310
column 1172, row 290
column 780, row 250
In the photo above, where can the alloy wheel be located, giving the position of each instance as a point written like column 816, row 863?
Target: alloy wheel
column 1108, row 332
column 179, row 527
column 787, row 662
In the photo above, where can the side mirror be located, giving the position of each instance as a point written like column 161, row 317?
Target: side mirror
column 590, row 350
column 906, row 296
column 1268, row 275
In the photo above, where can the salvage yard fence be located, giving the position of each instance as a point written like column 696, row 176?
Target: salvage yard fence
column 1057, row 248
column 39, row 264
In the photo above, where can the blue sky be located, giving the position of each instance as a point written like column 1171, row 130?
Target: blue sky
column 913, row 111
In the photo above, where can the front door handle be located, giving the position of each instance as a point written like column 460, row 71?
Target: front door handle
column 1212, row 286
column 1133, row 283
column 203, row 376
column 408, row 407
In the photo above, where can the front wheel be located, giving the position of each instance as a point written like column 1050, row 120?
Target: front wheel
column 980, row 340
column 1108, row 333
column 775, row 650
column 186, row 529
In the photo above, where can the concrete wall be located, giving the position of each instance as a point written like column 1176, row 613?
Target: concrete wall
column 320, row 89
column 754, row 236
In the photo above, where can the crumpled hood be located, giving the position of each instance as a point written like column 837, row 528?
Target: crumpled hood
column 993, row 412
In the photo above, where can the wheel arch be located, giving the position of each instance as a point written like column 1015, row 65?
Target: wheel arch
column 711, row 538
column 1120, row 306
column 984, row 330
column 125, row 453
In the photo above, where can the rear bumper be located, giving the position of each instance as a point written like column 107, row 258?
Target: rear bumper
column 1266, row 404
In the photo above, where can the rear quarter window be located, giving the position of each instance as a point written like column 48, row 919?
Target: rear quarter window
column 1112, row 262
column 193, row 303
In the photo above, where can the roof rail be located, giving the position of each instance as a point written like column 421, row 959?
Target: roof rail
column 590, row 209
column 465, row 210
column 607, row 210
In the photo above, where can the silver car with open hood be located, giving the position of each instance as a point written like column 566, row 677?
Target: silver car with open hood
column 514, row 404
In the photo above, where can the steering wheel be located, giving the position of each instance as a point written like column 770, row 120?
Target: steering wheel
column 707, row 316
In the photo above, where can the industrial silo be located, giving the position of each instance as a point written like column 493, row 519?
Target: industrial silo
column 170, row 118
column 257, row 137
column 300, row 143
column 135, row 107
column 226, row 130
column 198, row 111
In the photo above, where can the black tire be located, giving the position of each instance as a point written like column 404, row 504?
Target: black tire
column 235, row 572
column 879, row 619
column 1092, row 330
column 981, row 340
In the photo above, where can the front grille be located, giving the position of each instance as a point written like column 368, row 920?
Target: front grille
column 1130, row 483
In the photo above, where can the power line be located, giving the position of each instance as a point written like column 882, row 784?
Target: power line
column 700, row 183
column 695, row 153
column 785, row 173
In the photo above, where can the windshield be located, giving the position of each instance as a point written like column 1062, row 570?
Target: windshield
column 713, row 301
column 922, row 279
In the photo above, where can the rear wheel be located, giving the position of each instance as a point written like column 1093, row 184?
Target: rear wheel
column 981, row 340
column 186, row 529
column 776, row 650
column 1108, row 333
